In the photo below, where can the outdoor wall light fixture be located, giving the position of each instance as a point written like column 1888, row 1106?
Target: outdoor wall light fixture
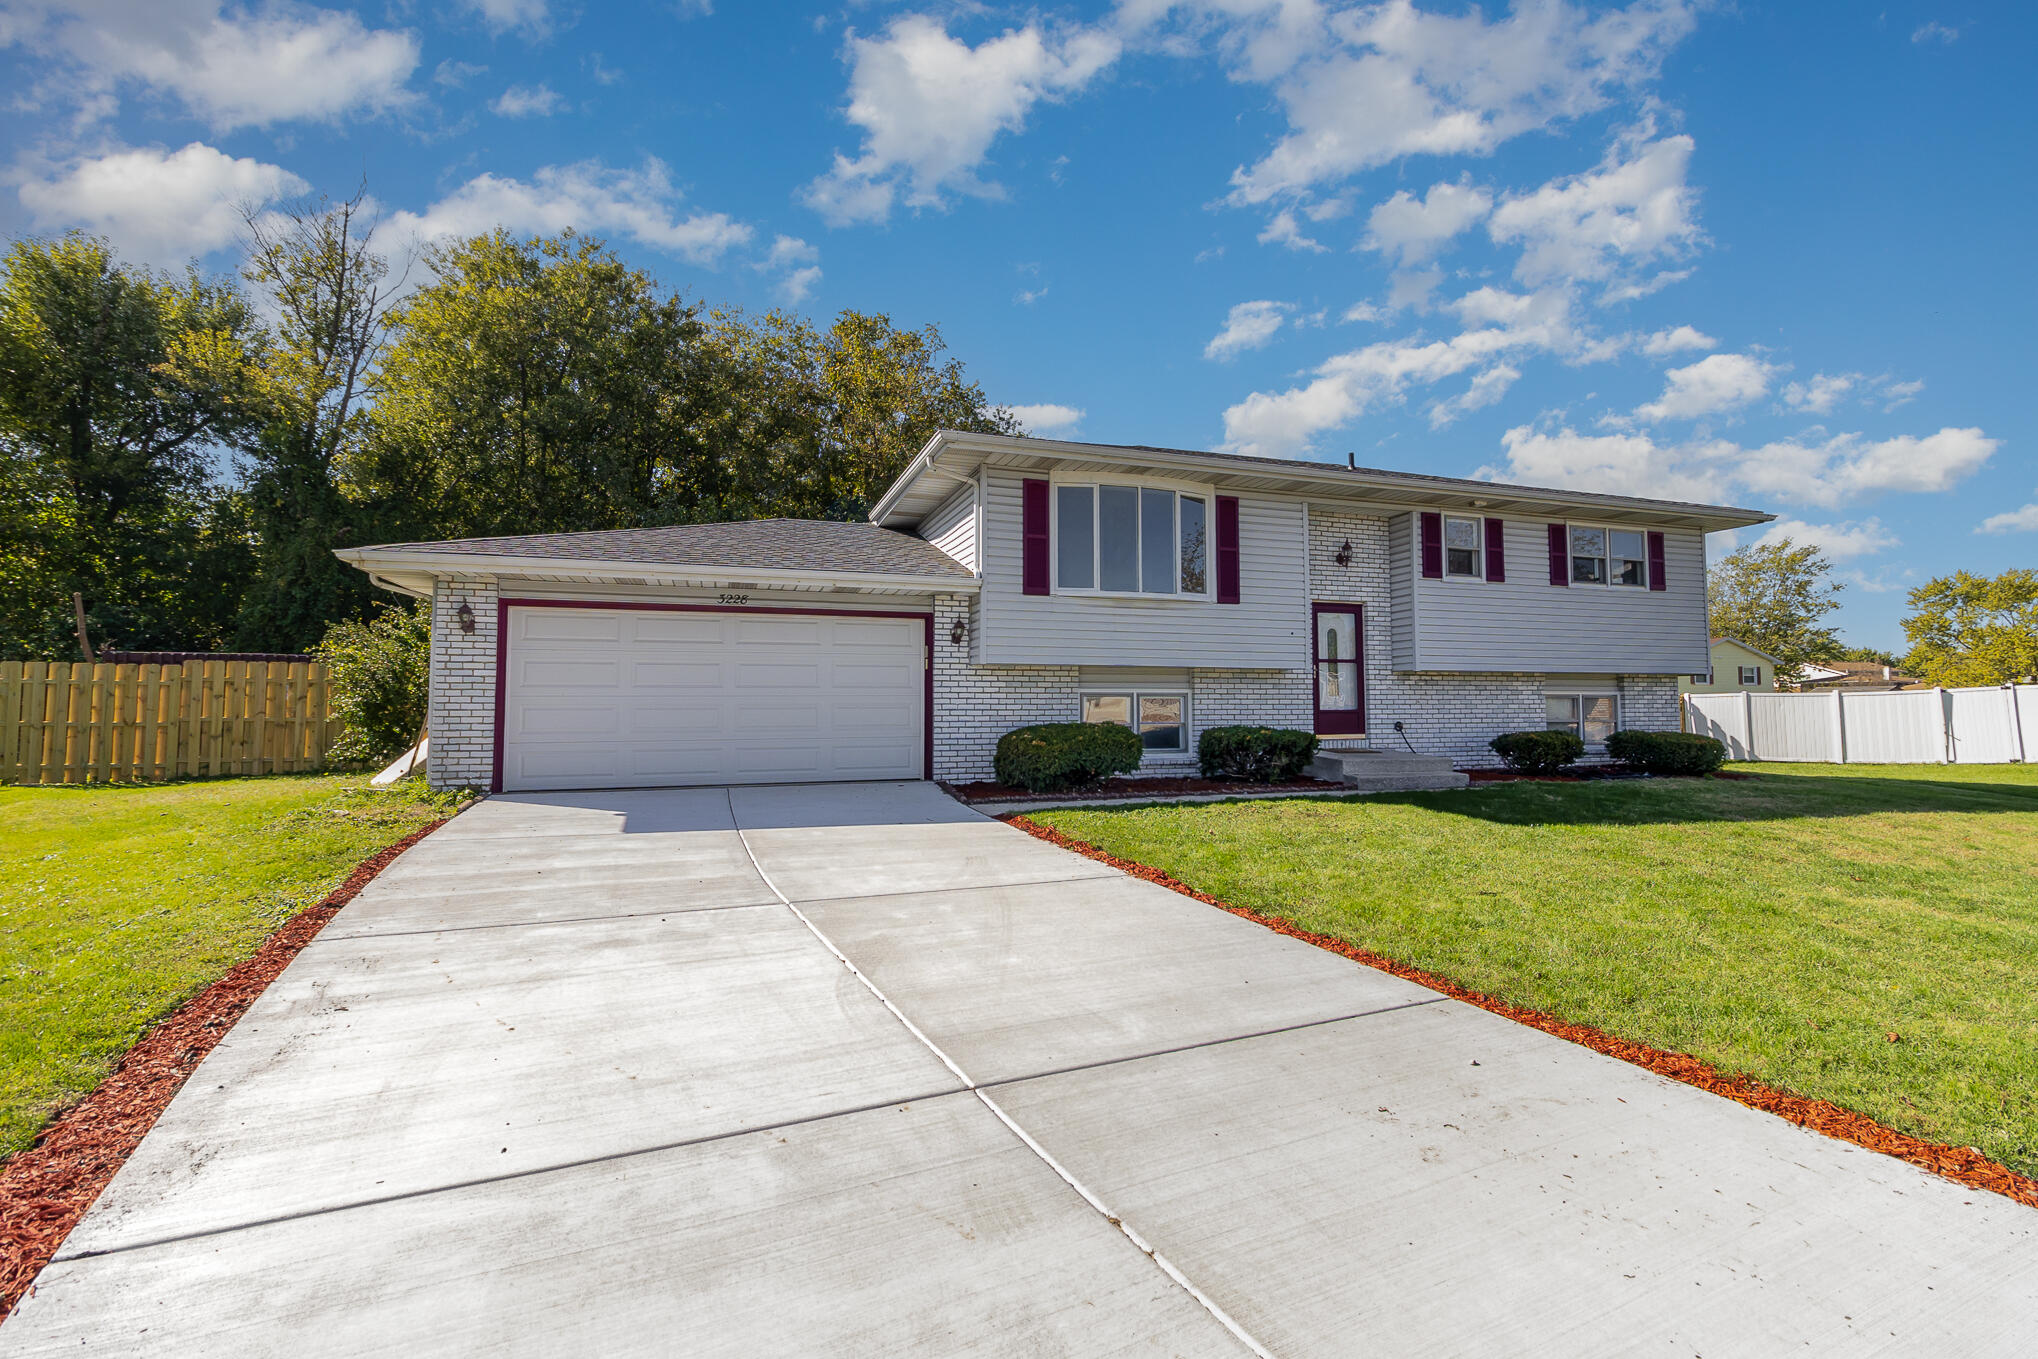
column 465, row 614
column 958, row 633
column 1344, row 554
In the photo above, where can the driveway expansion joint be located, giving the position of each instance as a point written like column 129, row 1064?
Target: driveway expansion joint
column 1161, row 1262
column 527, row 924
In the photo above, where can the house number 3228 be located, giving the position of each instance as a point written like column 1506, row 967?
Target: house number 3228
column 732, row 599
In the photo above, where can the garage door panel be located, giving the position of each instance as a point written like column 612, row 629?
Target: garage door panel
column 675, row 722
column 543, row 720
column 780, row 631
column 679, row 629
column 778, row 675
column 569, row 673
column 639, row 697
column 567, row 625
column 677, row 675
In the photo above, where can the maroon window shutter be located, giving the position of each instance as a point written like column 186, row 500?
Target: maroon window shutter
column 1560, row 556
column 1227, row 549
column 1657, row 580
column 1496, row 552
column 1432, row 545
column 1033, row 536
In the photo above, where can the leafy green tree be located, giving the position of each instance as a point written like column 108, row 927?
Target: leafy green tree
column 331, row 294
column 1969, row 629
column 119, row 387
column 380, row 669
column 536, row 386
column 1773, row 597
column 824, row 421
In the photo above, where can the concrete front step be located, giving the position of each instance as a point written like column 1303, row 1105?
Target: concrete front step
column 1384, row 771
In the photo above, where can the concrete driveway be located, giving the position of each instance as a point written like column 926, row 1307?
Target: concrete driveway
column 853, row 1070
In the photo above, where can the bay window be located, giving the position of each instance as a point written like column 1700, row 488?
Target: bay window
column 1131, row 540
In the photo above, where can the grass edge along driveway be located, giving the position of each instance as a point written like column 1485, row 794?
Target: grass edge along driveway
column 119, row 902
column 1866, row 934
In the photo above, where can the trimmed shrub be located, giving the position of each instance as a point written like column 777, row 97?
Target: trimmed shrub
column 1061, row 755
column 1667, row 752
column 1254, row 754
column 1537, row 752
column 381, row 670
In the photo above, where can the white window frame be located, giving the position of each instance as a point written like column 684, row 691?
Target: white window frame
column 1134, row 696
column 1141, row 484
column 1578, row 696
column 1478, row 571
column 1612, row 581
column 1746, row 678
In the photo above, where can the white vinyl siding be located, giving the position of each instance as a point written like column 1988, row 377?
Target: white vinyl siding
column 1528, row 624
column 1267, row 629
column 953, row 526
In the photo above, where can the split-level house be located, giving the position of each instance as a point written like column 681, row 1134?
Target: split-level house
column 1003, row 581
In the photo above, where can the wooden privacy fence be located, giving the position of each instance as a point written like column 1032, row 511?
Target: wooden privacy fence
column 78, row 723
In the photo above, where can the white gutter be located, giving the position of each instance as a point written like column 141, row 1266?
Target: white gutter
column 378, row 562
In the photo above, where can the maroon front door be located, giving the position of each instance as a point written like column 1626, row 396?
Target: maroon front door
column 1337, row 656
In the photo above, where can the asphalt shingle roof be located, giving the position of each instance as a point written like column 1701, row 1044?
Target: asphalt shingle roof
column 761, row 544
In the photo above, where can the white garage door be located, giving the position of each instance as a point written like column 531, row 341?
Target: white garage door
column 617, row 698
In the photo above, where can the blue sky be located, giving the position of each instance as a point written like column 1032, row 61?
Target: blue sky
column 1770, row 254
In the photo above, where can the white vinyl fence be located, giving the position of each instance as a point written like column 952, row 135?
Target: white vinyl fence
column 1901, row 726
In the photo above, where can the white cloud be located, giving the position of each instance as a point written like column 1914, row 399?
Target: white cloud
column 1847, row 466
column 930, row 107
column 238, row 68
column 1373, row 84
column 2024, row 520
column 1934, row 32
column 1486, row 389
column 453, row 74
column 1048, row 418
column 797, row 264
column 1677, row 341
column 1249, row 325
column 1821, row 393
column 1715, row 384
column 1282, row 229
column 588, row 196
column 1026, row 297
column 1607, row 224
column 1411, row 229
column 1900, row 393
column 155, row 205
column 1500, row 325
column 1838, row 541
column 530, row 17
column 528, row 101
column 1843, row 467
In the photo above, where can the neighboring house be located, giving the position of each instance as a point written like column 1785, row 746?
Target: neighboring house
column 1855, row 675
column 1734, row 666
column 1005, row 581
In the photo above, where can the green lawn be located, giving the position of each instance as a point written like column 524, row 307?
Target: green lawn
column 118, row 903
column 1783, row 926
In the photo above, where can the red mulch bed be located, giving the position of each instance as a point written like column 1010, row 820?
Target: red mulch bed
column 46, row 1188
column 1962, row 1165
column 987, row 791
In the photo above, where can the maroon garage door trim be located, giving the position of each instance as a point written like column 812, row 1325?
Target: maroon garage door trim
column 503, row 606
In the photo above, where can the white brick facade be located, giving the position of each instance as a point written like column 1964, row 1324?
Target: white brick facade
column 976, row 704
column 462, row 708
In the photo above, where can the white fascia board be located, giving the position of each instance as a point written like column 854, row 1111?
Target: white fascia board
column 379, row 562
